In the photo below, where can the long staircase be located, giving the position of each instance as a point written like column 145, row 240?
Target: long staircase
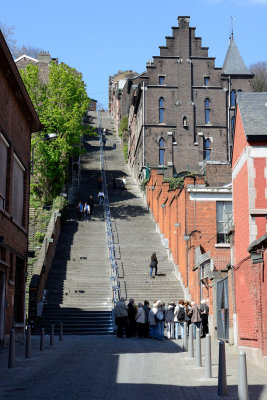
column 78, row 290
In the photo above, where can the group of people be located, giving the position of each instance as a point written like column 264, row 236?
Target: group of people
column 84, row 211
column 151, row 322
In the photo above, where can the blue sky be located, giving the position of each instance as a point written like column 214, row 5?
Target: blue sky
column 100, row 37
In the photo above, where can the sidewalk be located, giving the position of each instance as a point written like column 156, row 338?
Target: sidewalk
column 105, row 367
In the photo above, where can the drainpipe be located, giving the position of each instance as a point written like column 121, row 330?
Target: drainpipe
column 143, row 124
column 228, row 118
column 186, row 245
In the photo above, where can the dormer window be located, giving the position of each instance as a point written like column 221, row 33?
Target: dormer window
column 161, row 80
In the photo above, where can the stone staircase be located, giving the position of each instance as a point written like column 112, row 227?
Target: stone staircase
column 78, row 290
column 135, row 233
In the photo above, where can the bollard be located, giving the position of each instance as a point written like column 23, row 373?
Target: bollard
column 242, row 377
column 208, row 370
column 11, row 353
column 28, row 348
column 222, row 383
column 185, row 337
column 198, row 349
column 52, row 334
column 42, row 340
column 190, row 342
column 61, row 331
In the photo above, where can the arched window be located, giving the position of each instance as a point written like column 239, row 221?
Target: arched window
column 207, row 149
column 161, row 110
column 232, row 98
column 207, row 111
column 161, row 151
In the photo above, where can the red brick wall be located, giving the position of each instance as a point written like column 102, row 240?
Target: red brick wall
column 241, row 213
column 251, row 304
column 190, row 215
column 250, row 279
column 240, row 141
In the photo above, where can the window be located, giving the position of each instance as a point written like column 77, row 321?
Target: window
column 232, row 98
column 161, row 152
column 224, row 218
column 161, row 80
column 207, row 149
column 233, row 124
column 207, row 111
column 3, row 170
column 206, row 80
column 161, row 110
column 17, row 191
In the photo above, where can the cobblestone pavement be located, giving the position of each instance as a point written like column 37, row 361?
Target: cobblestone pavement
column 106, row 367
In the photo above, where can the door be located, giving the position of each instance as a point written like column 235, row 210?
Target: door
column 19, row 291
column 222, row 310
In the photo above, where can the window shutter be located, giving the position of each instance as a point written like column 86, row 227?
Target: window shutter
column 3, row 171
column 17, row 192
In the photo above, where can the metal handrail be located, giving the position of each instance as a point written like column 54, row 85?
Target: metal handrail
column 115, row 284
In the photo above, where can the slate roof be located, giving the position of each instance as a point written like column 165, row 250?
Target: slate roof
column 253, row 111
column 233, row 63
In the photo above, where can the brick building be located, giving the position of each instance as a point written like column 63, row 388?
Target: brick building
column 249, row 254
column 181, row 108
column 119, row 99
column 18, row 120
column 43, row 61
column 193, row 221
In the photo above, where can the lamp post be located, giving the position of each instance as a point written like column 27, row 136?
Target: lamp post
column 48, row 136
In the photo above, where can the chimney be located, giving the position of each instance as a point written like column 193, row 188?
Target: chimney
column 44, row 57
column 183, row 22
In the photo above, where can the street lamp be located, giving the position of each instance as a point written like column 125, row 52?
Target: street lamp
column 48, row 136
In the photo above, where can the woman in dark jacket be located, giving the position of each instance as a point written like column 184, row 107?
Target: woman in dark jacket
column 153, row 264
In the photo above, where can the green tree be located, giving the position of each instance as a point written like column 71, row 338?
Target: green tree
column 60, row 104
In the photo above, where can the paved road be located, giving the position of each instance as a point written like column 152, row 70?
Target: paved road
column 109, row 368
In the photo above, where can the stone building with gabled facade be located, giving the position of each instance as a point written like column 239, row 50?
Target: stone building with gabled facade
column 181, row 109
column 43, row 61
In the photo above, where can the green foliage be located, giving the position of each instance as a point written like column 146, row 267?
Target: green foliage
column 60, row 104
column 125, row 151
column 39, row 236
column 123, row 127
column 123, row 133
column 174, row 183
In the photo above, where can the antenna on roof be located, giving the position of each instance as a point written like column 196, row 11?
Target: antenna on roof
column 232, row 28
